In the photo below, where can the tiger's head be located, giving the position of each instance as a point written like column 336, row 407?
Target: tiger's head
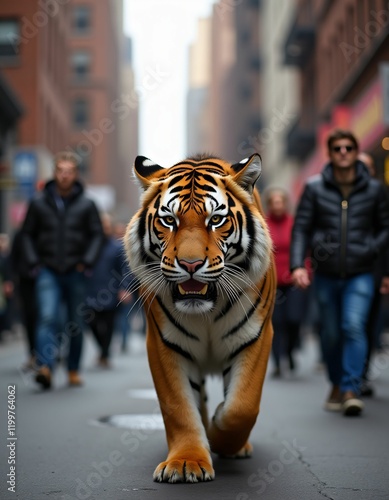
column 199, row 239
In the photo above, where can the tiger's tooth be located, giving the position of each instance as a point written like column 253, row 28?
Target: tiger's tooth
column 203, row 291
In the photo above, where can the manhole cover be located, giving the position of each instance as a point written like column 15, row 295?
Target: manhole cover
column 148, row 422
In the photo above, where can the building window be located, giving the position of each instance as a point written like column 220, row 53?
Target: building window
column 255, row 62
column 245, row 91
column 254, row 4
column 81, row 64
column 82, row 19
column 9, row 38
column 80, row 112
column 245, row 37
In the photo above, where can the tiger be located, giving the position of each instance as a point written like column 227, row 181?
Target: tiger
column 201, row 252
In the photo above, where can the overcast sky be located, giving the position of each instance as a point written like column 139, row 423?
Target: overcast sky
column 161, row 31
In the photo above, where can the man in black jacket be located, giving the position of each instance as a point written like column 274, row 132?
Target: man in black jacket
column 62, row 237
column 343, row 218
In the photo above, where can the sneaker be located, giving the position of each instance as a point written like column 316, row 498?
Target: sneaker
column 104, row 363
column 367, row 389
column 292, row 364
column 351, row 404
column 43, row 377
column 334, row 400
column 74, row 378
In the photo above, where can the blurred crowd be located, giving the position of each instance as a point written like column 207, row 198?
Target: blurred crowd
column 332, row 261
column 17, row 303
column 62, row 272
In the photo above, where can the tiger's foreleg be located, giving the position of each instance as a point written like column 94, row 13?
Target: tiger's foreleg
column 234, row 418
column 189, row 458
column 203, row 405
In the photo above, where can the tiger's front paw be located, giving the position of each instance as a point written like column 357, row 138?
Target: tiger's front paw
column 184, row 470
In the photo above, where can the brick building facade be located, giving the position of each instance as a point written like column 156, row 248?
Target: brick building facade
column 62, row 60
column 342, row 51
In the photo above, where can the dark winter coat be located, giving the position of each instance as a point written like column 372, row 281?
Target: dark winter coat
column 344, row 236
column 62, row 233
column 109, row 275
column 281, row 232
column 19, row 266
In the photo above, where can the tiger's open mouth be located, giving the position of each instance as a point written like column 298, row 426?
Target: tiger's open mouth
column 193, row 289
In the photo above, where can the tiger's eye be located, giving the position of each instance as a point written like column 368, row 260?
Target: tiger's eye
column 169, row 219
column 215, row 219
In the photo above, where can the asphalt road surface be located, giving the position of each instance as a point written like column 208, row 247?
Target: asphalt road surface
column 103, row 441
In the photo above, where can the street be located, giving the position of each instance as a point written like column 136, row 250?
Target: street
column 103, row 441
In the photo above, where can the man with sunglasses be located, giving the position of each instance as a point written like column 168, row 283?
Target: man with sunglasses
column 343, row 220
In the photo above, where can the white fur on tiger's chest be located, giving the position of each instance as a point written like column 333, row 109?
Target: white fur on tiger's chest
column 215, row 341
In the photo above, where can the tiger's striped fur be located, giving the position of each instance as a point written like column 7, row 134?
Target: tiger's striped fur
column 202, row 253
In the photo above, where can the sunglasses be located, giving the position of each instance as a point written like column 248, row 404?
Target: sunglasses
column 337, row 149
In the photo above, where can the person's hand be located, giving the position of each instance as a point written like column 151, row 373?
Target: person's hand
column 8, row 288
column 300, row 277
column 384, row 289
column 124, row 296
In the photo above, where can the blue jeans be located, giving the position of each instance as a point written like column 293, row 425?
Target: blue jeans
column 344, row 306
column 53, row 289
column 126, row 312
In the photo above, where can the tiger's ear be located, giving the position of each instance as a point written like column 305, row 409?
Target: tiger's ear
column 248, row 172
column 145, row 169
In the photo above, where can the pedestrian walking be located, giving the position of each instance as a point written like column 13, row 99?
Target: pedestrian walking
column 130, row 308
column 24, row 281
column 374, row 323
column 343, row 218
column 6, row 286
column 106, row 286
column 62, row 238
column 289, row 304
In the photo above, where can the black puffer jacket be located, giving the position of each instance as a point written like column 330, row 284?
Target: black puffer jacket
column 61, row 235
column 344, row 236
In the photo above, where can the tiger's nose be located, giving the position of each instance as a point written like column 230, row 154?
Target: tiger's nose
column 191, row 266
